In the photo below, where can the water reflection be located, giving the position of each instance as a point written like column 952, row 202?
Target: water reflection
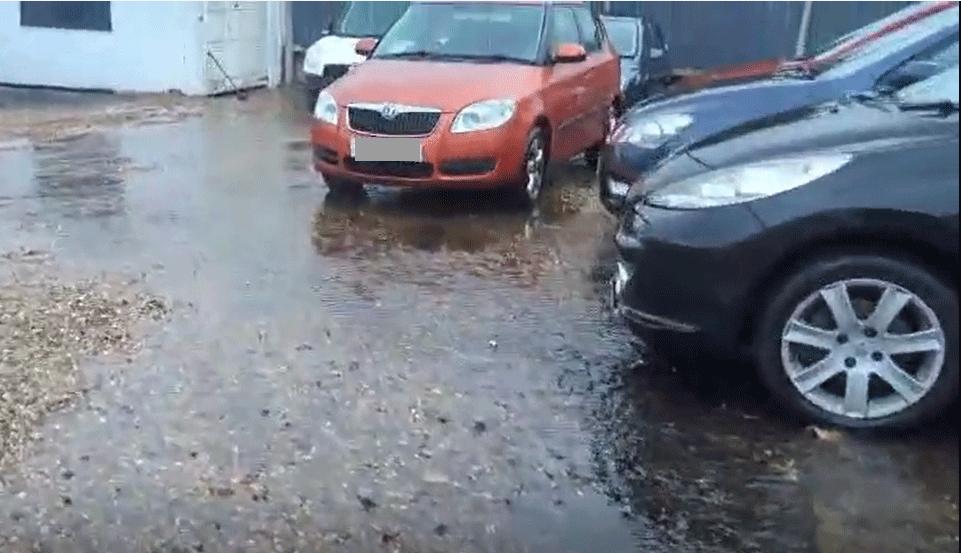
column 421, row 220
column 428, row 236
column 712, row 470
column 81, row 176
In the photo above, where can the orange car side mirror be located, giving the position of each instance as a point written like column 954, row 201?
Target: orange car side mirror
column 569, row 52
column 365, row 46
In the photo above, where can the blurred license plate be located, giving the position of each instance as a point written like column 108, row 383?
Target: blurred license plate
column 380, row 148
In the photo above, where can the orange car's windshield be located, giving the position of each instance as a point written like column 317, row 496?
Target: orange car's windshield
column 466, row 30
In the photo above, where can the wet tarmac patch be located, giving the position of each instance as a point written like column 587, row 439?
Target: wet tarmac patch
column 415, row 371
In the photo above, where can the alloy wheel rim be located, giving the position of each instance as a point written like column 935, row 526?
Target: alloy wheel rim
column 863, row 348
column 534, row 166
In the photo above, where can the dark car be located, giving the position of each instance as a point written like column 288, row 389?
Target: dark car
column 823, row 248
column 657, row 130
column 645, row 61
column 765, row 68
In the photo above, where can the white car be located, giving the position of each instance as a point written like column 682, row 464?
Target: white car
column 332, row 55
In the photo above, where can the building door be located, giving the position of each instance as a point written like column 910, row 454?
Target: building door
column 237, row 37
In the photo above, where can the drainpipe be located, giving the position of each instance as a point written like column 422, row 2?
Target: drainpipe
column 288, row 42
column 802, row 34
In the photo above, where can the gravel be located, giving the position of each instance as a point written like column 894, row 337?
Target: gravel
column 46, row 328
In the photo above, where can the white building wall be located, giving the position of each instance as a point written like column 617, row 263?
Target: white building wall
column 153, row 47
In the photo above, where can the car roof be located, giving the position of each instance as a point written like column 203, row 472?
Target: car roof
column 572, row 3
column 622, row 18
column 922, row 16
column 518, row 2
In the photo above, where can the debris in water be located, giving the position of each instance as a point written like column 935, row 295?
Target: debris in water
column 825, row 434
column 367, row 503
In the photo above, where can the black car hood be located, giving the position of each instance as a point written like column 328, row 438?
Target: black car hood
column 721, row 109
column 856, row 128
column 853, row 127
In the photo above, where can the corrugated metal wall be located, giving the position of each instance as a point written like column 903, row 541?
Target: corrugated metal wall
column 829, row 20
column 701, row 34
column 709, row 34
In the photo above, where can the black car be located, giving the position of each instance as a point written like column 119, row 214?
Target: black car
column 823, row 248
column 645, row 59
column 893, row 58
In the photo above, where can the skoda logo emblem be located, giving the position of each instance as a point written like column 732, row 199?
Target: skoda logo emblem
column 389, row 111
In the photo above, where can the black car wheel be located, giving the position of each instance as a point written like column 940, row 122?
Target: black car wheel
column 861, row 341
column 534, row 168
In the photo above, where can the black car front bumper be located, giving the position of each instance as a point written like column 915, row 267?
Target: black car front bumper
column 622, row 165
column 686, row 277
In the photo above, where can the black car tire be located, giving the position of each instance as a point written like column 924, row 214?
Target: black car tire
column 592, row 156
column 525, row 197
column 822, row 271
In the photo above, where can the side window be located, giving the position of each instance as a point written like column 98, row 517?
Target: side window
column 657, row 44
column 564, row 27
column 88, row 16
column 590, row 31
column 926, row 64
column 647, row 34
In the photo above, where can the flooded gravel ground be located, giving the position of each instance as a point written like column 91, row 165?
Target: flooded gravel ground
column 416, row 372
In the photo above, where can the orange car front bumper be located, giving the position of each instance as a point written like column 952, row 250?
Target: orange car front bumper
column 482, row 159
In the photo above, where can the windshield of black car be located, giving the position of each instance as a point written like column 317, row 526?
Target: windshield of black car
column 623, row 34
column 368, row 19
column 941, row 89
column 872, row 51
column 466, row 30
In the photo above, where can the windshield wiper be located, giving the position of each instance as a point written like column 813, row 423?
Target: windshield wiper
column 874, row 98
column 495, row 58
column 796, row 72
column 411, row 54
column 941, row 106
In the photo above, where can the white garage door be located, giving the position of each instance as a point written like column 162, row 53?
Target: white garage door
column 237, row 37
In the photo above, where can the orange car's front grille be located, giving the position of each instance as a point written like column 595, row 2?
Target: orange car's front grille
column 397, row 123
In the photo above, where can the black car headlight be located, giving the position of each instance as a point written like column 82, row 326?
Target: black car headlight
column 745, row 183
column 650, row 132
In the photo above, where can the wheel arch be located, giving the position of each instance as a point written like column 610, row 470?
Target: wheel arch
column 942, row 264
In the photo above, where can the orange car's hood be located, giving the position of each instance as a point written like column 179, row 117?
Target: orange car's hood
column 446, row 85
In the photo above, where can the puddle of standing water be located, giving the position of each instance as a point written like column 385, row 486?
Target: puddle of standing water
column 417, row 372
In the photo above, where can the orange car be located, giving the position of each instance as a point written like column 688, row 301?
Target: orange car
column 470, row 95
